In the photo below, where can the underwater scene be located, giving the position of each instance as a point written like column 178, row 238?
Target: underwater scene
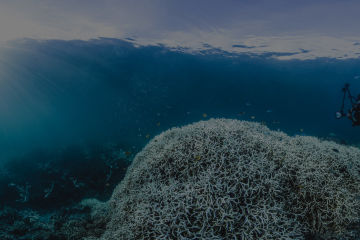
column 110, row 136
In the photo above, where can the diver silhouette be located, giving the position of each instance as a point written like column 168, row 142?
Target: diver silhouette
column 354, row 112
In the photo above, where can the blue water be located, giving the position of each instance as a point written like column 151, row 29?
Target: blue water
column 58, row 94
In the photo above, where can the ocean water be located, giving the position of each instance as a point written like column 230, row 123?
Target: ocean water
column 65, row 106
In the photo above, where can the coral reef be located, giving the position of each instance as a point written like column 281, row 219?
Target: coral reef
column 40, row 191
column 70, row 223
column 230, row 179
column 45, row 179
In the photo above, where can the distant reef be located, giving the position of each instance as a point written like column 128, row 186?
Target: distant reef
column 230, row 179
column 223, row 179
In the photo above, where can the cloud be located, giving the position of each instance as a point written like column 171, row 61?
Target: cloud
column 242, row 46
column 241, row 26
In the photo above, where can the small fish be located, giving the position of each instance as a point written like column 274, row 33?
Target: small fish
column 252, row 117
column 248, row 104
column 269, row 111
column 158, row 124
column 301, row 130
column 241, row 113
column 147, row 136
column 128, row 153
column 204, row 115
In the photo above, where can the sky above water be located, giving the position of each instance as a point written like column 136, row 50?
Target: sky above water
column 298, row 29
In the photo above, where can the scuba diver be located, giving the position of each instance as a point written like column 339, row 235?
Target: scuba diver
column 354, row 113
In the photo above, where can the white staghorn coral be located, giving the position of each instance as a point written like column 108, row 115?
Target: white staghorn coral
column 230, row 179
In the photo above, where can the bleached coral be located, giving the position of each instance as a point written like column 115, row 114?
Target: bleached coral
column 230, row 179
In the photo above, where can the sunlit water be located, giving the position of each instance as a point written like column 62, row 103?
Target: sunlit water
column 57, row 93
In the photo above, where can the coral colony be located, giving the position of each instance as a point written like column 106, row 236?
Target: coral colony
column 230, row 179
column 214, row 179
